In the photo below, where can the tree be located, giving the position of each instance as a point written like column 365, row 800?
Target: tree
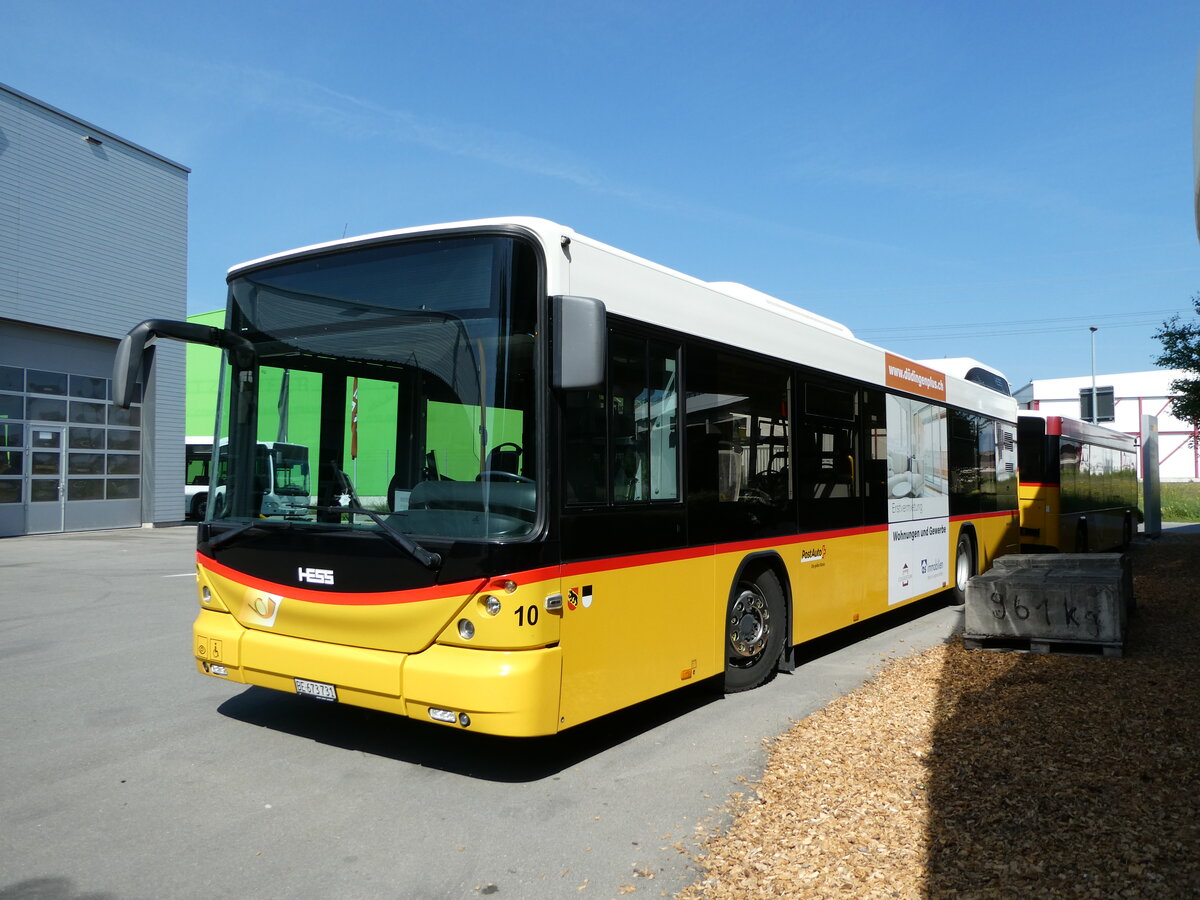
column 1181, row 350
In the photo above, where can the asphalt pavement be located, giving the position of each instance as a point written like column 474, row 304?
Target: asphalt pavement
column 129, row 775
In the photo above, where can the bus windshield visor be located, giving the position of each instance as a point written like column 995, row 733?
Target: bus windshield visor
column 392, row 379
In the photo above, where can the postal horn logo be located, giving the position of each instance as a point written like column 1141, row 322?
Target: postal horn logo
column 262, row 608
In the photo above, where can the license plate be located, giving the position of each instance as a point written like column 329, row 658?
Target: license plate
column 316, row 689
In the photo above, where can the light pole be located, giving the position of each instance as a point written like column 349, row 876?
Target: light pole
column 1093, row 330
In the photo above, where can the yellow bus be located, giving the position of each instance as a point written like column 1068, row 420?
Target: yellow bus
column 1078, row 485
column 551, row 479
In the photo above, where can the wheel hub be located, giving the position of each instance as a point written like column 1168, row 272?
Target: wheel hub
column 749, row 624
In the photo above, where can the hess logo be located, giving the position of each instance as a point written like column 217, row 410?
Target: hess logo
column 314, row 576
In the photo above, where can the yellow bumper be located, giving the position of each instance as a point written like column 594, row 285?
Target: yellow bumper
column 503, row 692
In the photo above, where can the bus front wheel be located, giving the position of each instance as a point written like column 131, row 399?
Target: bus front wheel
column 754, row 631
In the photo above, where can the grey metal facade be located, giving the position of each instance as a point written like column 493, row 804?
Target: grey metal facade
column 93, row 239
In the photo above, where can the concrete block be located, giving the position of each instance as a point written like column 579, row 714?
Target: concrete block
column 1051, row 599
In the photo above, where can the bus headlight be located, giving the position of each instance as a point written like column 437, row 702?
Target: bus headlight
column 466, row 629
column 491, row 605
column 449, row 717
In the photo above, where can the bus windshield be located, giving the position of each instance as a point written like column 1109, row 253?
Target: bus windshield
column 392, row 379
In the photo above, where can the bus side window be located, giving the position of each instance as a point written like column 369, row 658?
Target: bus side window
column 622, row 445
column 876, row 474
column 828, row 455
column 627, row 380
column 966, row 477
column 828, row 447
column 739, row 446
column 585, row 442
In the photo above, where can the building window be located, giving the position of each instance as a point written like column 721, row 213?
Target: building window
column 43, row 409
column 104, row 442
column 89, row 388
column 12, row 379
column 47, row 382
column 1105, row 405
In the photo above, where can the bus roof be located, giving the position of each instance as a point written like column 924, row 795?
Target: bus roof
column 728, row 312
column 1079, row 430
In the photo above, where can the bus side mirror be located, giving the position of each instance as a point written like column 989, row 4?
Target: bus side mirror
column 580, row 342
column 128, row 362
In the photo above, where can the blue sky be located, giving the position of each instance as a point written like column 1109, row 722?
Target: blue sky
column 978, row 179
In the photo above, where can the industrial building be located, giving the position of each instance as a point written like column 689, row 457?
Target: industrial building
column 1121, row 401
column 93, row 240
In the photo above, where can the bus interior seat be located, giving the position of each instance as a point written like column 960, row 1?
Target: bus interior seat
column 504, row 457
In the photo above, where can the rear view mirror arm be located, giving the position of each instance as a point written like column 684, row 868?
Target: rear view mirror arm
column 128, row 362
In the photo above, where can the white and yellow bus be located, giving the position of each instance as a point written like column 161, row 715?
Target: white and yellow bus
column 281, row 473
column 551, row 479
column 1078, row 485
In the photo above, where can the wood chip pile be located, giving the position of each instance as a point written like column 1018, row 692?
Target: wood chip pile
column 978, row 774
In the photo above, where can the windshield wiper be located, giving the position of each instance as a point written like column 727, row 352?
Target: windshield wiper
column 229, row 535
column 427, row 558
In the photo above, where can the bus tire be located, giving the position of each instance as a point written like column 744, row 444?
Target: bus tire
column 199, row 505
column 1127, row 532
column 1081, row 537
column 965, row 567
column 755, row 623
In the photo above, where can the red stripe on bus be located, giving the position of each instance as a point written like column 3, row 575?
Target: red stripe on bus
column 381, row 598
column 545, row 574
column 988, row 515
column 576, row 569
column 591, row 566
column 567, row 570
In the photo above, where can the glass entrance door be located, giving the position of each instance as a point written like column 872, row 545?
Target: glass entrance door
column 47, row 486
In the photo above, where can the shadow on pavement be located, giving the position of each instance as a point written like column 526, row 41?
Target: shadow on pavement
column 499, row 759
column 48, row 889
column 454, row 749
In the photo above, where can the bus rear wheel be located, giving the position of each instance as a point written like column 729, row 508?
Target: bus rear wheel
column 754, row 631
column 1081, row 537
column 964, row 567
